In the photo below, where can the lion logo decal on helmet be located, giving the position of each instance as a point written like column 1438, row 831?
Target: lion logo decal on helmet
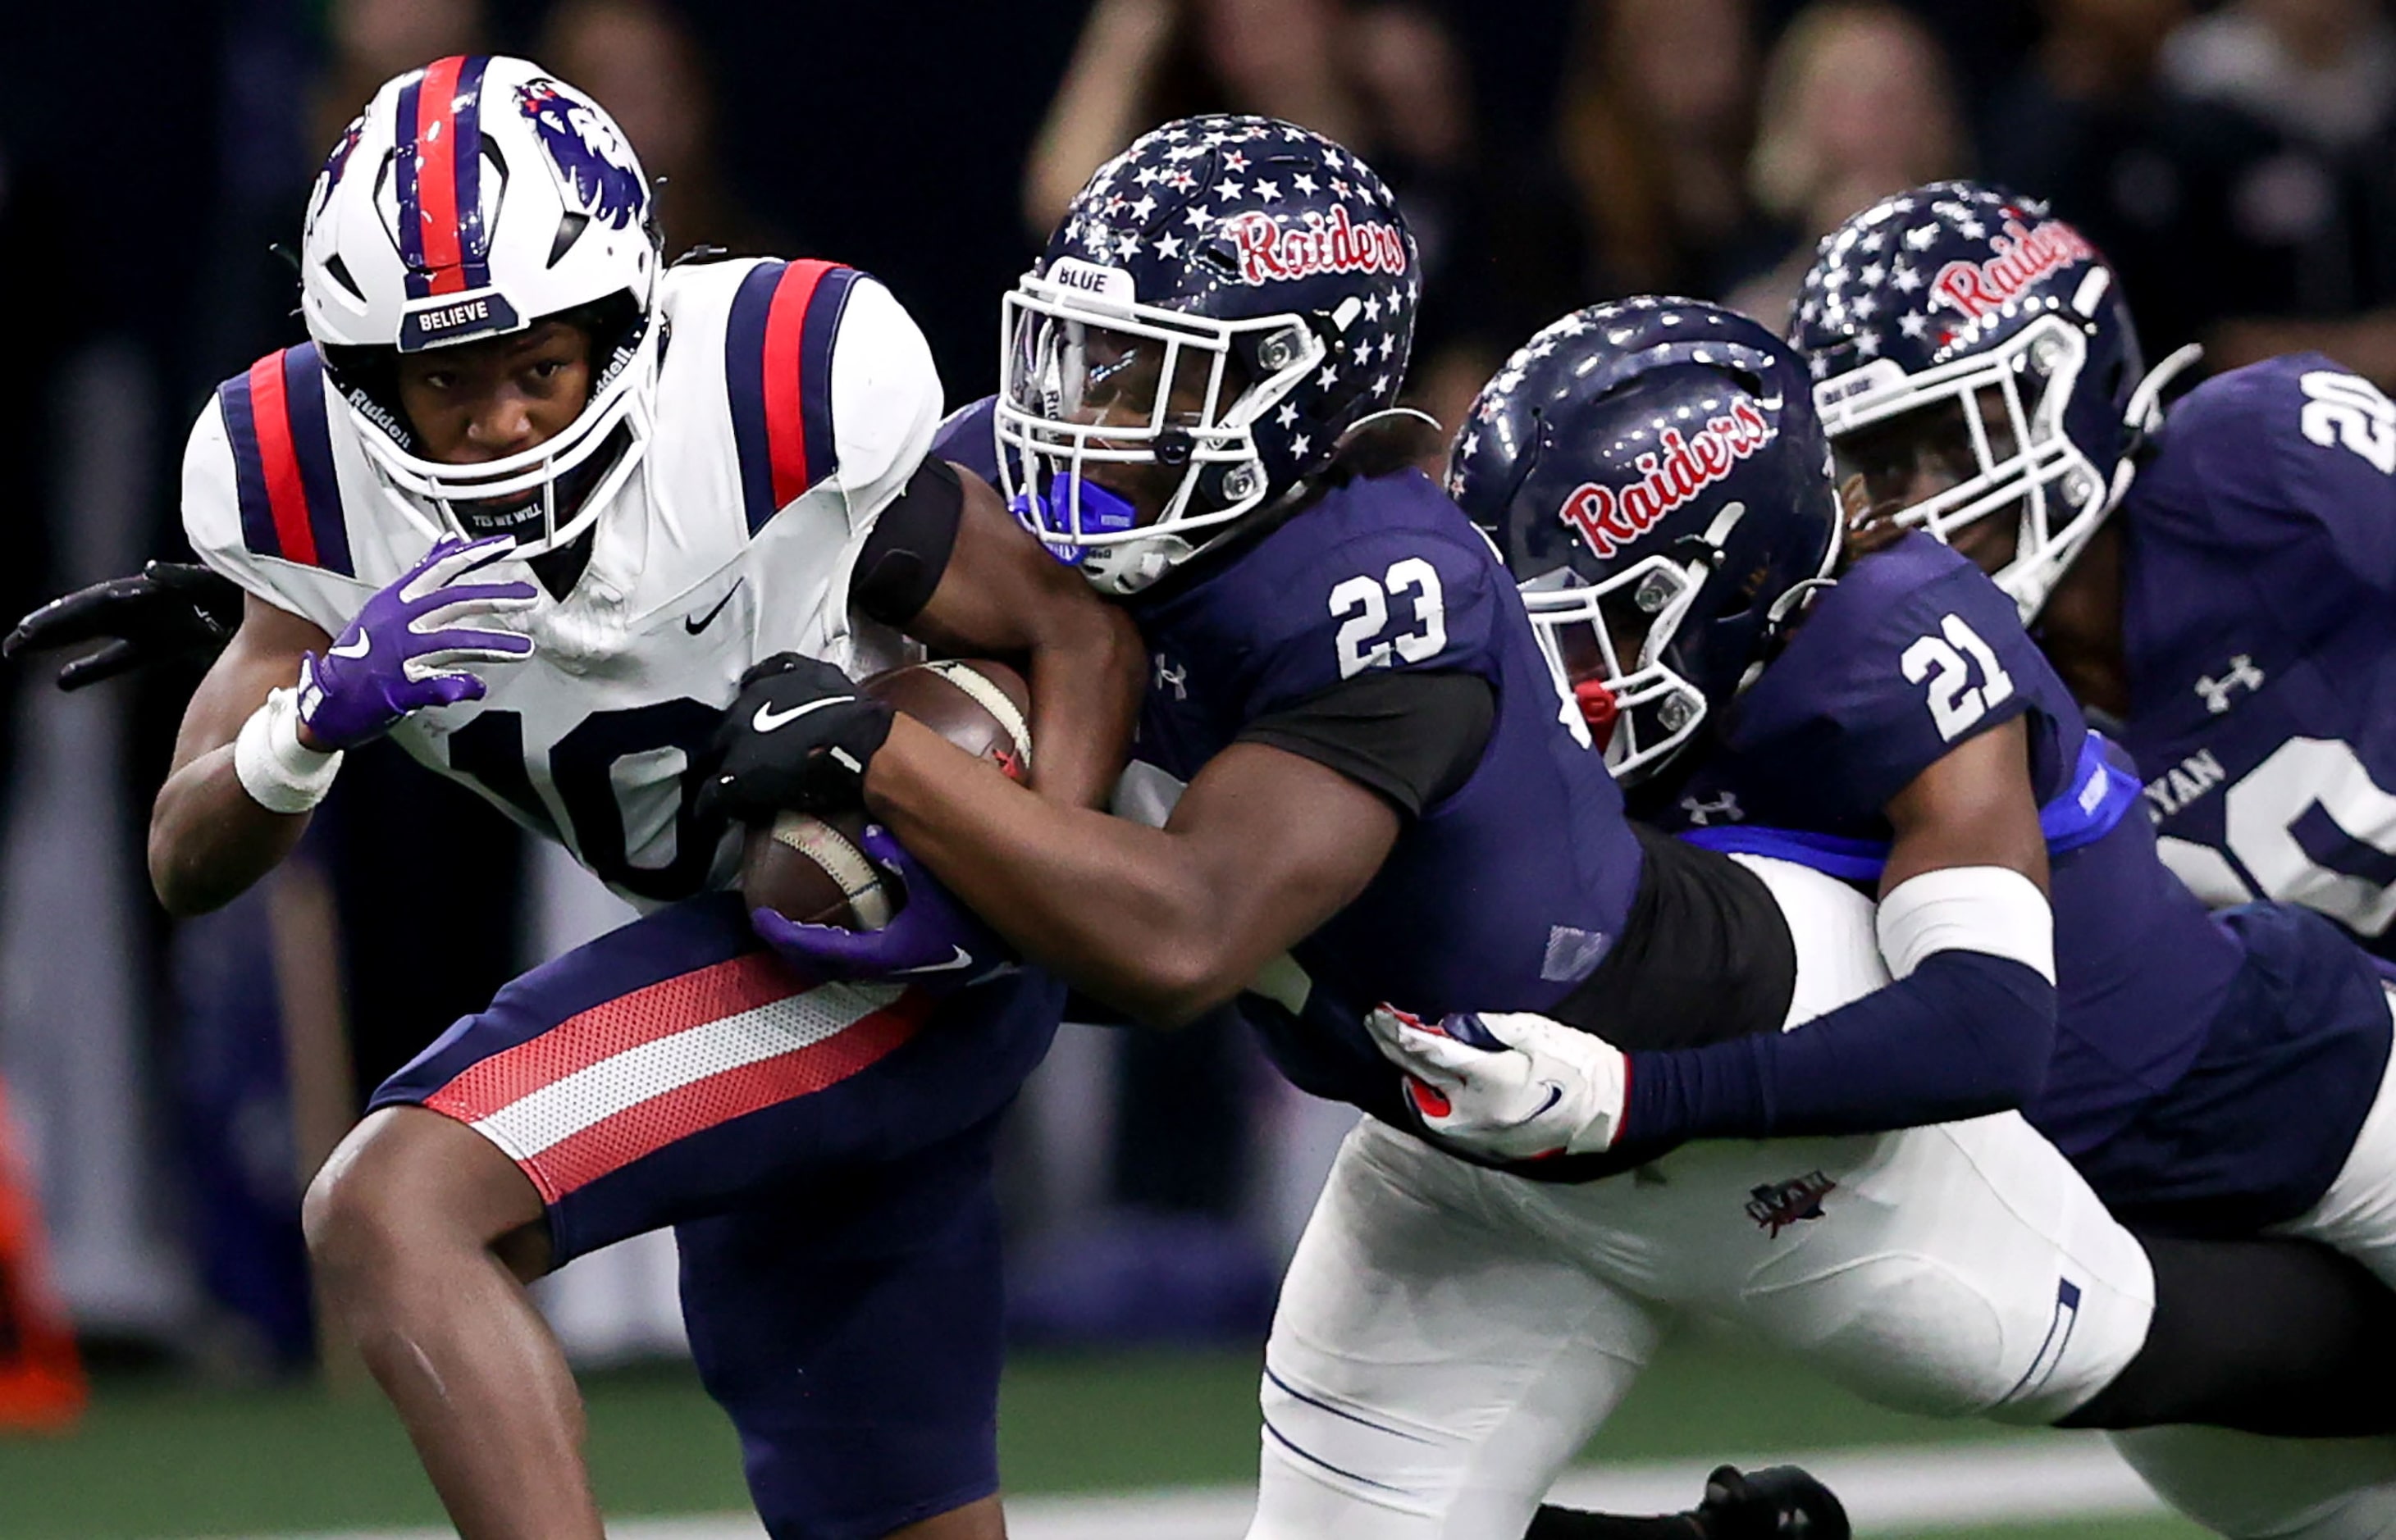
column 336, row 162
column 590, row 154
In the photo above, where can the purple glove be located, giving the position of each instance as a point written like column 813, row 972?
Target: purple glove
column 401, row 654
column 933, row 940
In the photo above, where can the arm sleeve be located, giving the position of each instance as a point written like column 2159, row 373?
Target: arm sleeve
column 886, row 400
column 1413, row 738
column 1965, row 1034
column 908, row 547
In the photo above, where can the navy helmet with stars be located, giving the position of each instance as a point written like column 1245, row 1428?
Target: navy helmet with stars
column 1654, row 476
column 1974, row 356
column 1224, row 302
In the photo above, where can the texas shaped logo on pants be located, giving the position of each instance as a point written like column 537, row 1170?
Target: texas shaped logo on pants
column 1776, row 1205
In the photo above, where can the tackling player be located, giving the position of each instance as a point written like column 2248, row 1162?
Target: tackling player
column 2212, row 585
column 1363, row 783
column 535, row 508
column 1661, row 503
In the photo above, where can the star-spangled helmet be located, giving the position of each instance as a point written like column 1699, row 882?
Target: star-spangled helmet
column 473, row 198
column 1963, row 313
column 1234, row 294
column 1654, row 476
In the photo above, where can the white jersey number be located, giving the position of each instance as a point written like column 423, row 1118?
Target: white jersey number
column 2347, row 409
column 1362, row 607
column 2311, row 791
column 1955, row 701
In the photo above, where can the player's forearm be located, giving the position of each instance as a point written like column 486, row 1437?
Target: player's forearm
column 1116, row 907
column 209, row 840
column 1966, row 1034
column 1085, row 688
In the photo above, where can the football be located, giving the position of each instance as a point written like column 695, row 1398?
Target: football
column 812, row 869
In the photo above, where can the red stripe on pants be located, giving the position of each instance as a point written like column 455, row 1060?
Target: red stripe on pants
column 616, row 1141
column 660, row 1010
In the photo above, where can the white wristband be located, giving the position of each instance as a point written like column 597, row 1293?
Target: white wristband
column 1990, row 909
column 281, row 774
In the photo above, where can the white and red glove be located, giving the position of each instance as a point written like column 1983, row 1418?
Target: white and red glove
column 1507, row 1084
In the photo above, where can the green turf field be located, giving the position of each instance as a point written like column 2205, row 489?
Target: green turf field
column 156, row 1459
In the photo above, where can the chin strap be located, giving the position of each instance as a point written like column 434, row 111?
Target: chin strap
column 2143, row 417
column 2144, row 414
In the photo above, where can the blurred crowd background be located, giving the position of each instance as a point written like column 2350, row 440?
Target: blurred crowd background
column 172, row 1087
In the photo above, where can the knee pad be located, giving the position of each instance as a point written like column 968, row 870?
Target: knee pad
column 1903, row 1332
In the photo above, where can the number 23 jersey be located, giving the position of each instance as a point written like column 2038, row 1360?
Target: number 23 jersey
column 2259, row 624
column 793, row 401
column 1502, row 895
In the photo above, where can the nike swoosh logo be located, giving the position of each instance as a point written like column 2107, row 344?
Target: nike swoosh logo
column 695, row 627
column 961, row 960
column 353, row 649
column 767, row 719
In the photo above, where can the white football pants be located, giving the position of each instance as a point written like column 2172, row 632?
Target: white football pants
column 1448, row 1336
column 2264, row 1489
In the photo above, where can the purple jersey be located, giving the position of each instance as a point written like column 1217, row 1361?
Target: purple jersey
column 2206, row 1072
column 1912, row 653
column 1501, row 897
column 2259, row 561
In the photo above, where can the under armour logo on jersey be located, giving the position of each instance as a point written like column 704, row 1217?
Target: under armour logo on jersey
column 1725, row 807
column 1776, row 1205
column 1175, row 677
column 2214, row 692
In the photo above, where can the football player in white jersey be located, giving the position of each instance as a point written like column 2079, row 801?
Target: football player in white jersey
column 541, row 510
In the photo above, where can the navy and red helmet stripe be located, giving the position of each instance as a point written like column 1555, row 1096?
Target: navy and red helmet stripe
column 778, row 359
column 438, row 177
column 283, row 461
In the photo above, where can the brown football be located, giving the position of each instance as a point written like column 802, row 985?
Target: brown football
column 810, row 869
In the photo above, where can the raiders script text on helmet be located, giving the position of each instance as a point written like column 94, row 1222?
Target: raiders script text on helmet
column 2023, row 257
column 1271, row 252
column 1670, row 478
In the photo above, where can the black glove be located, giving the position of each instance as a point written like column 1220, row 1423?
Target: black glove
column 799, row 736
column 1780, row 1503
column 170, row 610
column 1777, row 1503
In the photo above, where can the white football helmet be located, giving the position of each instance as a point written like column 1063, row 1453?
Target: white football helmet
column 474, row 197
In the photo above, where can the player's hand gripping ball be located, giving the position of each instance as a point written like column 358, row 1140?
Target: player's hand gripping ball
column 839, row 897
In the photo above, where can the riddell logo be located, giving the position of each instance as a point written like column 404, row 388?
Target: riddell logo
column 1670, row 479
column 1271, row 253
column 2023, row 257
